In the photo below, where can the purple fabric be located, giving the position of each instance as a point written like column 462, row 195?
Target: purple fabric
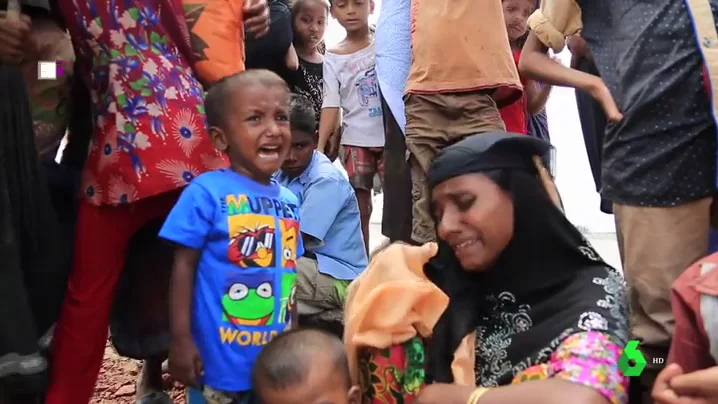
column 713, row 242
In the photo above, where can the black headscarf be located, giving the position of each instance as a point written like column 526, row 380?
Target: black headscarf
column 547, row 284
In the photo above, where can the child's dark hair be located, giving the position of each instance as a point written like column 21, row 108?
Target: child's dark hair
column 302, row 116
column 218, row 97
column 287, row 360
column 297, row 5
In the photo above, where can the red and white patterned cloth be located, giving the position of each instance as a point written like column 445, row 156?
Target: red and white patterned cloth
column 150, row 133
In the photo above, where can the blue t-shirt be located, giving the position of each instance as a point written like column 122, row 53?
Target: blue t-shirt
column 330, row 215
column 248, row 235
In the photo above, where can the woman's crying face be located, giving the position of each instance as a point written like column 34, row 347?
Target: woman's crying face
column 475, row 217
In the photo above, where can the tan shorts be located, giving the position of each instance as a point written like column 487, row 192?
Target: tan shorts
column 317, row 292
column 434, row 121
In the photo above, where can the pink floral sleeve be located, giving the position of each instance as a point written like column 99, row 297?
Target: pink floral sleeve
column 587, row 358
column 591, row 359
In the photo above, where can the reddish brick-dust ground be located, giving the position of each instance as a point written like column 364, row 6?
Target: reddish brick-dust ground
column 116, row 384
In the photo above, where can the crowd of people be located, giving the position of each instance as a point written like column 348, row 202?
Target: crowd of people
column 197, row 213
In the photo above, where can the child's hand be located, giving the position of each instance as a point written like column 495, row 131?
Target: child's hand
column 662, row 392
column 600, row 93
column 699, row 387
column 672, row 386
column 332, row 149
column 185, row 362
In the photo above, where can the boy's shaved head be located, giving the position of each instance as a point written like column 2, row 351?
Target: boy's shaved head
column 218, row 98
column 290, row 357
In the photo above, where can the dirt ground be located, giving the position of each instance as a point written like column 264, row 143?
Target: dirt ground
column 116, row 384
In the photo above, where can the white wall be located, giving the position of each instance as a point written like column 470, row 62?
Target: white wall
column 574, row 178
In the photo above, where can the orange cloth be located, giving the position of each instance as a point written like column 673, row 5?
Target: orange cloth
column 392, row 301
column 216, row 30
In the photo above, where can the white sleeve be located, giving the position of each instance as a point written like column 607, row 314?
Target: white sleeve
column 331, row 97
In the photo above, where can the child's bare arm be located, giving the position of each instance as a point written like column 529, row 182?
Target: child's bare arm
column 329, row 118
column 536, row 96
column 335, row 140
column 181, row 286
column 536, row 65
column 184, row 359
column 328, row 122
column 291, row 59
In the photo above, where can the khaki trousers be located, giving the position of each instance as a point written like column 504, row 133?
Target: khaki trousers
column 656, row 246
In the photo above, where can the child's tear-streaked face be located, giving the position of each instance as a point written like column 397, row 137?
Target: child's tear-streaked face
column 257, row 137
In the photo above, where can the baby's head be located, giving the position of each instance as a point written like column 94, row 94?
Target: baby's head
column 304, row 367
column 248, row 117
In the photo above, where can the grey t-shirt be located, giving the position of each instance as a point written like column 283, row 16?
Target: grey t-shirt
column 350, row 83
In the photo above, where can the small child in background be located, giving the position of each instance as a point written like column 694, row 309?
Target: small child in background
column 309, row 20
column 692, row 375
column 350, row 84
column 304, row 366
column 694, row 302
column 516, row 116
column 237, row 241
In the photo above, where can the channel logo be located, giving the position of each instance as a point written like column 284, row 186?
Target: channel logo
column 632, row 362
column 51, row 70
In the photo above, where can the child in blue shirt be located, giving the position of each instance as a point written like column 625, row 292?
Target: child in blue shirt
column 237, row 241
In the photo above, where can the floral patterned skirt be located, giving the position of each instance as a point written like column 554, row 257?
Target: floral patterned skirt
column 393, row 375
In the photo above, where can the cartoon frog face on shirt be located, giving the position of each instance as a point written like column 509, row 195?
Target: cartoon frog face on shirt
column 249, row 299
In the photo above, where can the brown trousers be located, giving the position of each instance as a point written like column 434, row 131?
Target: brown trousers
column 434, row 121
column 656, row 246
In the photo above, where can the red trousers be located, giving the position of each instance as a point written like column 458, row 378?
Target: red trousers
column 102, row 238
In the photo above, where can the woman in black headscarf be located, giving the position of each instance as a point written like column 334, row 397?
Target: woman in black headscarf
column 542, row 304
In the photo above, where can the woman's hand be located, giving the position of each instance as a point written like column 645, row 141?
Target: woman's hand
column 444, row 394
column 256, row 17
column 13, row 37
column 184, row 361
